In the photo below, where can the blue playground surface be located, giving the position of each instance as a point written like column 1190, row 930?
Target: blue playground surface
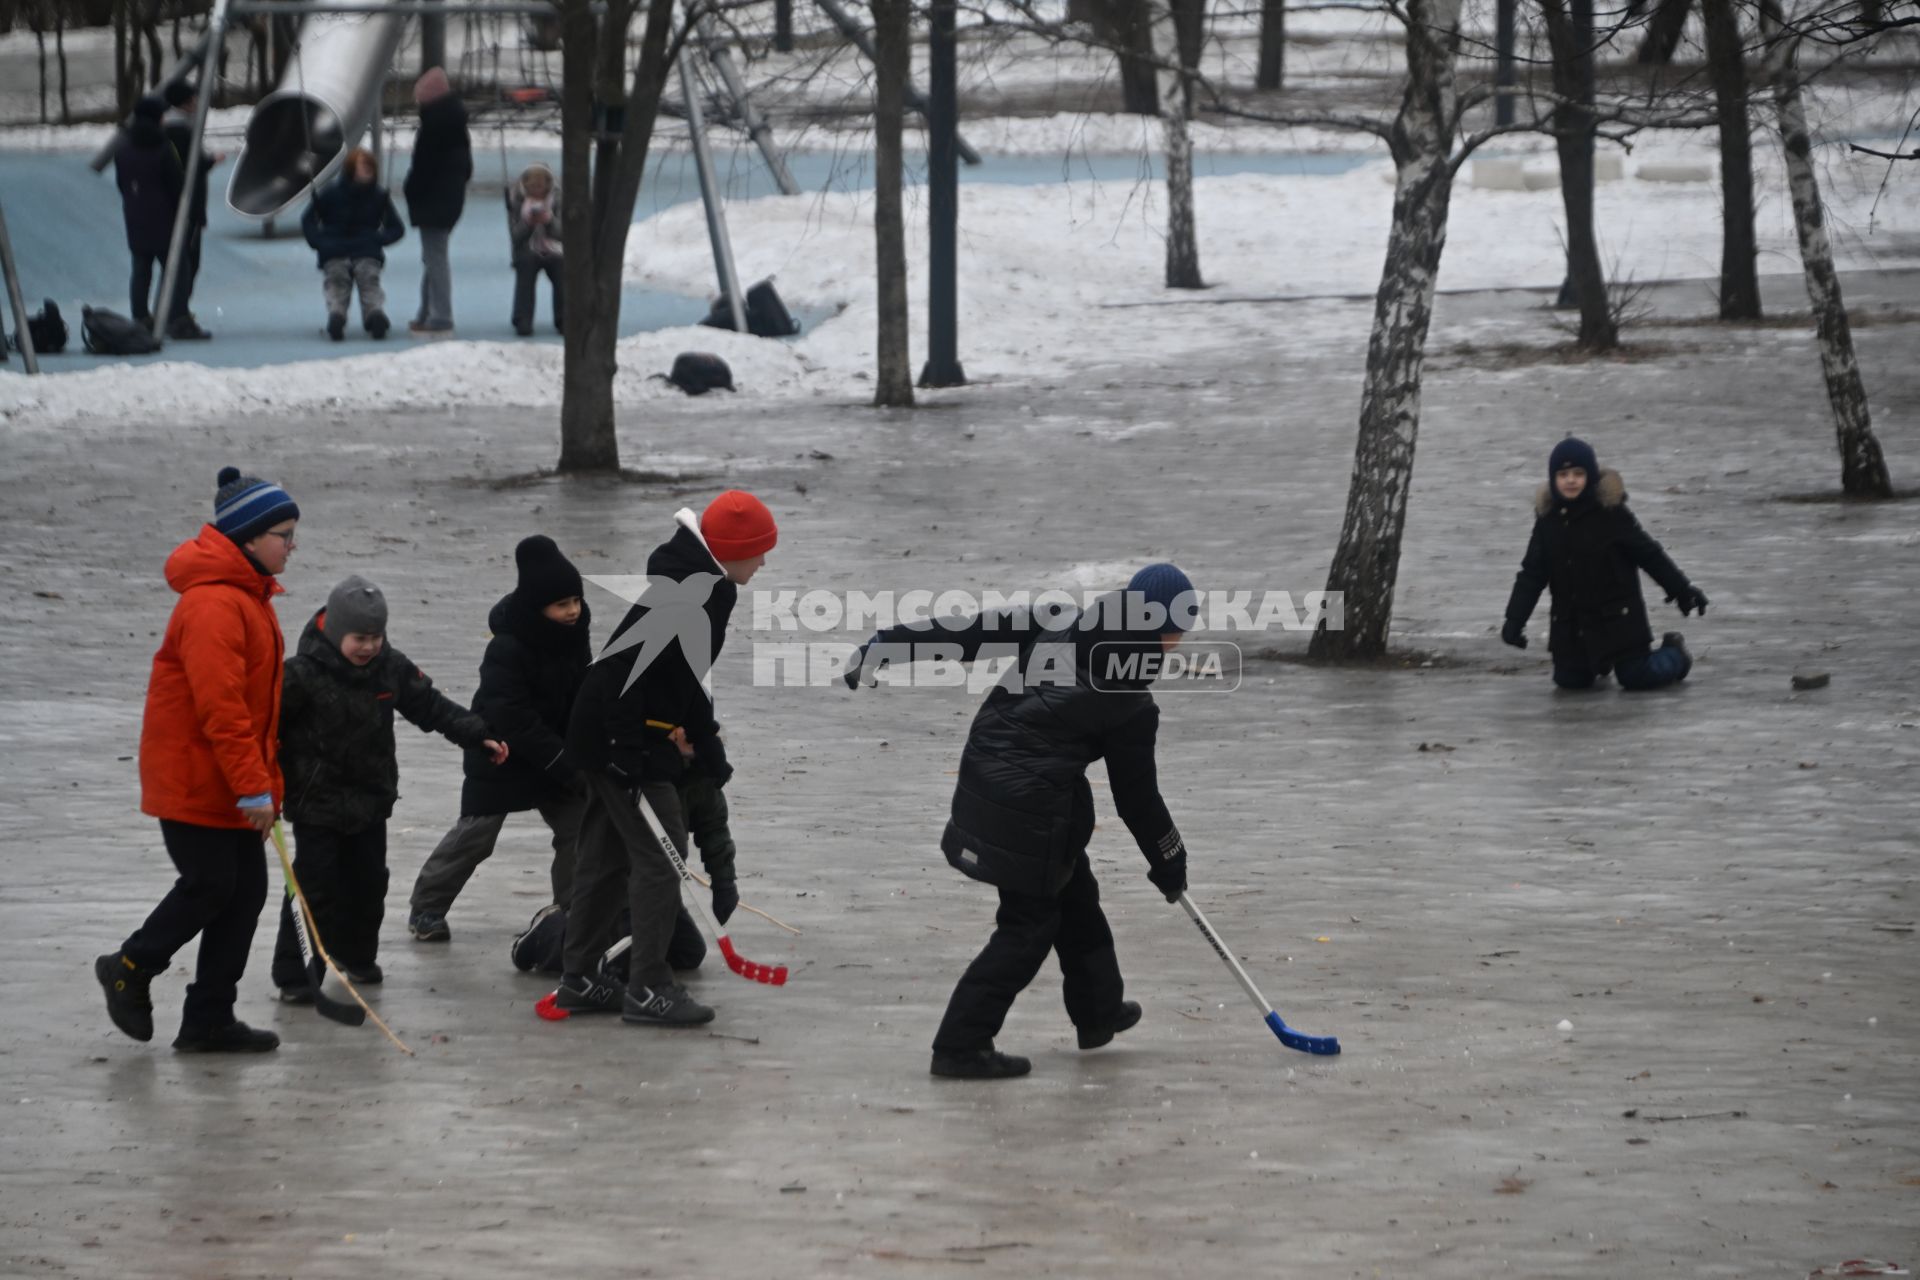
column 260, row 295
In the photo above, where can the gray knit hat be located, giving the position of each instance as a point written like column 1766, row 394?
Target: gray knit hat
column 356, row 605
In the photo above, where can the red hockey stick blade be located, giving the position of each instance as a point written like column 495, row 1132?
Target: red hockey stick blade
column 772, row 975
column 548, row 1007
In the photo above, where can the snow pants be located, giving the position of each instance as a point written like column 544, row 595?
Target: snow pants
column 526, row 275
column 344, row 877
column 618, row 863
column 341, row 276
column 221, row 888
column 470, row 843
column 1073, row 927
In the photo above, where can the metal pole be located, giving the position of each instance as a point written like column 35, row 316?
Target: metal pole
column 756, row 124
column 943, row 205
column 710, row 196
column 1503, row 75
column 433, row 40
column 216, row 32
column 783, row 26
column 12, row 273
column 858, row 34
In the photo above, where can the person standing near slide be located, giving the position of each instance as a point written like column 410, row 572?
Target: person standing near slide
column 436, row 192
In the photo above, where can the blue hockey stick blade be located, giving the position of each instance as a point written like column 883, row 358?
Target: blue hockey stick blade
column 1300, row 1040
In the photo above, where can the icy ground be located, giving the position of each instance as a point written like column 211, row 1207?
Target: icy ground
column 1715, row 885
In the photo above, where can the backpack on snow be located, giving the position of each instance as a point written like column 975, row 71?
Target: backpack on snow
column 767, row 315
column 47, row 329
column 108, row 333
column 698, row 372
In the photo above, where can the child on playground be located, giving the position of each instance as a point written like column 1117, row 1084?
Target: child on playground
column 349, row 224
column 533, row 223
column 337, row 751
column 529, row 676
column 1589, row 550
column 646, row 683
column 1023, row 810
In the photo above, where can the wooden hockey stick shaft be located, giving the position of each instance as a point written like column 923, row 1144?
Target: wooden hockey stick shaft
column 313, row 932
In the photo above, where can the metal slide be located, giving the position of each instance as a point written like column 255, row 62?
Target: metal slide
column 300, row 132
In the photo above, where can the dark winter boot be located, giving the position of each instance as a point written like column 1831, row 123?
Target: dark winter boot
column 979, row 1064
column 187, row 329
column 128, row 1003
column 337, row 326
column 428, row 926
column 543, row 935
column 1094, row 1037
column 301, row 996
column 1675, row 641
column 233, row 1037
column 578, row 993
column 378, row 324
column 668, row 1005
column 371, row 976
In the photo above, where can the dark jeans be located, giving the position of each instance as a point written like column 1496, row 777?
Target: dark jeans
column 344, row 878
column 1653, row 670
column 526, row 274
column 145, row 267
column 1072, row 926
column 222, row 886
column 149, row 270
column 470, row 843
column 617, row 852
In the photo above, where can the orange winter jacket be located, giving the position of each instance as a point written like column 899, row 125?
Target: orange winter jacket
column 212, row 727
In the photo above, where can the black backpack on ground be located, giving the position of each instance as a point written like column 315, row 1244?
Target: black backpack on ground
column 698, row 372
column 47, row 329
column 767, row 315
column 108, row 333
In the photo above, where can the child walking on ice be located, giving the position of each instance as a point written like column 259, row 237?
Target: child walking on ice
column 336, row 748
column 1023, row 810
column 1588, row 548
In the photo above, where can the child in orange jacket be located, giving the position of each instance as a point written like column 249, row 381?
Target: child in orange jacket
column 209, row 767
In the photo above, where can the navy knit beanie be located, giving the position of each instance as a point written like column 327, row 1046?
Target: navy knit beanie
column 1573, row 452
column 1165, row 585
column 246, row 506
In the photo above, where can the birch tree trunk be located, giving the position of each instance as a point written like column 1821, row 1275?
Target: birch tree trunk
column 1272, row 70
column 1367, row 562
column 1739, row 250
column 1570, row 39
column 1863, row 469
column 893, row 379
column 1183, row 246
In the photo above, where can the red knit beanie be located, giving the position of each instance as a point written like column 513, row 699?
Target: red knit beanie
column 738, row 526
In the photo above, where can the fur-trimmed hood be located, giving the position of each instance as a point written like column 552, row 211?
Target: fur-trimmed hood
column 1611, row 491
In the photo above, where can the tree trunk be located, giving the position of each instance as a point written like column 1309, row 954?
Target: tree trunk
column 893, row 379
column 40, row 40
column 60, row 56
column 122, row 92
column 1739, row 249
column 1367, row 562
column 1273, row 45
column 783, row 26
column 1863, row 469
column 1183, row 247
column 1663, row 32
column 1126, row 26
column 1570, row 39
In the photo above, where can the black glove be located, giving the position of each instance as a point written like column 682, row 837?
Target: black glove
column 1690, row 599
column 857, row 665
column 1170, row 877
column 1514, row 633
column 710, row 758
column 726, row 896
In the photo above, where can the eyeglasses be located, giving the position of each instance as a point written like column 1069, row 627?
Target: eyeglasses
column 287, row 537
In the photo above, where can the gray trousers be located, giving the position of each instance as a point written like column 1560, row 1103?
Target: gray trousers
column 343, row 275
column 436, row 279
column 470, row 843
column 617, row 852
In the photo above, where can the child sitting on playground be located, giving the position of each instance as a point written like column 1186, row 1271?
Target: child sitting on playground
column 349, row 224
column 533, row 222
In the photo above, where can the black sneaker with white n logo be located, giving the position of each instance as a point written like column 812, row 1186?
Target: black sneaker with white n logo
column 668, row 1005
column 579, row 993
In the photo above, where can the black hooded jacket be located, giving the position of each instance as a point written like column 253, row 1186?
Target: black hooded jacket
column 336, row 730
column 1591, row 552
column 1023, row 810
column 436, row 185
column 149, row 177
column 623, row 728
column 528, row 680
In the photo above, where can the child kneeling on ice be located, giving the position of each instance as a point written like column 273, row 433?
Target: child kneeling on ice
column 1590, row 550
column 337, row 753
column 1023, row 811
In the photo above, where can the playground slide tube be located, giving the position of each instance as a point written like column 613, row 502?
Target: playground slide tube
column 300, row 132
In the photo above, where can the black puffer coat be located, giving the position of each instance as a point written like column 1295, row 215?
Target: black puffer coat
column 528, row 680
column 336, row 730
column 1023, row 810
column 178, row 128
column 348, row 219
column 1591, row 552
column 148, row 174
column 436, row 185
column 609, row 729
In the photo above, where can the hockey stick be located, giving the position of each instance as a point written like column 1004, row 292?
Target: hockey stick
column 705, row 883
column 1288, row 1036
column 548, row 1005
column 772, row 975
column 309, row 934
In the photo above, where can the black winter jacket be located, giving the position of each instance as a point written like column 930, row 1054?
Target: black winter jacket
column 178, row 129
column 148, row 175
column 336, row 730
column 610, row 729
column 348, row 219
column 528, row 680
column 1023, row 810
column 1591, row 553
column 436, row 185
